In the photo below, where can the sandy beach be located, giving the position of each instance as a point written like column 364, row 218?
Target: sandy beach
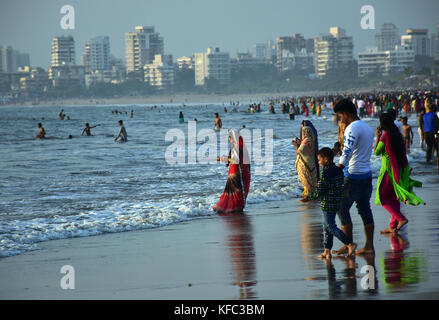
column 188, row 98
column 268, row 253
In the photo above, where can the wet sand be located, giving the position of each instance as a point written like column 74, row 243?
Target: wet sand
column 268, row 253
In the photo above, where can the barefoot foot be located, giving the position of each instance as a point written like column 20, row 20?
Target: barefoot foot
column 401, row 224
column 341, row 251
column 351, row 249
column 365, row 251
column 387, row 230
column 325, row 255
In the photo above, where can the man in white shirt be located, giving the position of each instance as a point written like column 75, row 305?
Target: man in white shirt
column 361, row 107
column 355, row 160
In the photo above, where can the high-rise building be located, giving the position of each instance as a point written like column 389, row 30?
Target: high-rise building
column 437, row 43
column 246, row 60
column 97, row 54
column 334, row 53
column 264, row 50
column 294, row 43
column 141, row 47
column 184, row 63
column 260, row 50
column 35, row 82
column 433, row 45
column 387, row 37
column 11, row 60
column 212, row 64
column 299, row 60
column 7, row 59
column 115, row 74
column 160, row 73
column 63, row 51
column 22, row 60
column 418, row 40
column 65, row 76
column 373, row 61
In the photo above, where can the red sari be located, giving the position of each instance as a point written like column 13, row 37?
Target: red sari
column 235, row 193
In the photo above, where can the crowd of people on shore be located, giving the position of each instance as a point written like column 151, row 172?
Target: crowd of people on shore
column 339, row 186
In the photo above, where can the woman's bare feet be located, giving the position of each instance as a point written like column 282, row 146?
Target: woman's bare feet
column 341, row 251
column 388, row 230
column 401, row 224
column 326, row 254
column 351, row 248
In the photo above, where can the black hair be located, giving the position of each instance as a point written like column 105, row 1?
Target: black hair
column 337, row 144
column 345, row 105
column 40, row 125
column 326, row 153
column 120, row 121
column 392, row 112
column 87, row 124
column 404, row 120
column 387, row 123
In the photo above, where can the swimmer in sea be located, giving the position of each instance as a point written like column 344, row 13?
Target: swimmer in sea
column 42, row 133
column 87, row 129
column 218, row 122
column 122, row 133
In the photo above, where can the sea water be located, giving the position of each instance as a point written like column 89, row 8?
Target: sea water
column 89, row 185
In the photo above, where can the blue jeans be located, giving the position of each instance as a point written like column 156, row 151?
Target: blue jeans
column 358, row 191
column 330, row 230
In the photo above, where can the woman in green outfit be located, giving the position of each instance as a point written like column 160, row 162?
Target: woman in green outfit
column 394, row 182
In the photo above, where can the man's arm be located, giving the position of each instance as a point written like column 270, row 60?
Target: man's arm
column 117, row 137
column 350, row 141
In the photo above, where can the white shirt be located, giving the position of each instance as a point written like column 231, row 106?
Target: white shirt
column 357, row 147
column 361, row 104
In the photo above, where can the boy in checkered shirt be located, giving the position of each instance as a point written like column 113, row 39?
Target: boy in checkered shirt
column 329, row 191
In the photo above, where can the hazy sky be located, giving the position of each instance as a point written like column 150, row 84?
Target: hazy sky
column 190, row 26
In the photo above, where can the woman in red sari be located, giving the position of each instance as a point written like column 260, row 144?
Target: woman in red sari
column 235, row 193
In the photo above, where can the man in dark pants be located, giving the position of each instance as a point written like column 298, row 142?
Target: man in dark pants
column 431, row 125
column 355, row 160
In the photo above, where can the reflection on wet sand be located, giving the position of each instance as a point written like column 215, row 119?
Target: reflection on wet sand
column 312, row 246
column 240, row 242
column 402, row 269
column 311, row 237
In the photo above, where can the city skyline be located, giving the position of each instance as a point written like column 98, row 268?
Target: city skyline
column 187, row 31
